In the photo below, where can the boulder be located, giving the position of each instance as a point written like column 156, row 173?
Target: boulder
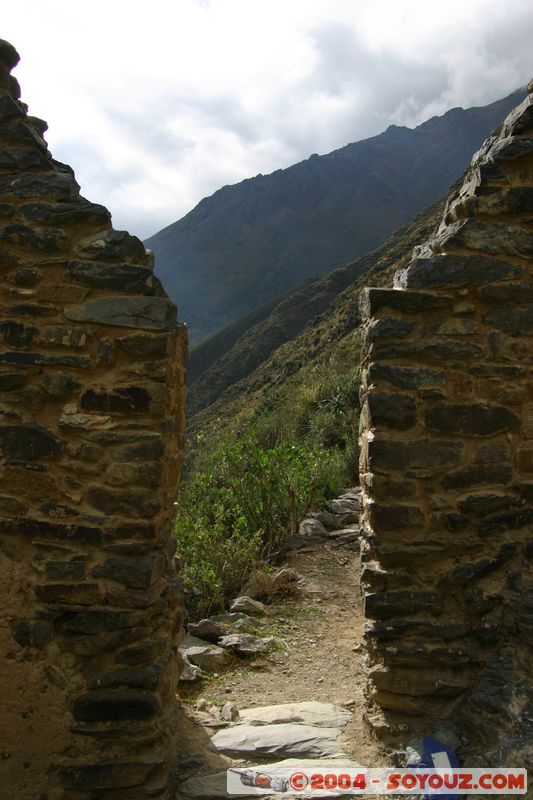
column 229, row 712
column 207, row 629
column 189, row 672
column 327, row 518
column 245, row 643
column 248, row 606
column 207, row 656
column 312, row 526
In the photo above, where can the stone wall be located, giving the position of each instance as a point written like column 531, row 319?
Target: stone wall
column 91, row 397
column 447, row 459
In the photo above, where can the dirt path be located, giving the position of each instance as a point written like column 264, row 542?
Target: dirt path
column 318, row 656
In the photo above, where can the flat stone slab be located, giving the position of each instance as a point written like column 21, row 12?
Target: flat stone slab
column 277, row 741
column 311, row 712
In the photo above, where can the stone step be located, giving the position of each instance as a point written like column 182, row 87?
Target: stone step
column 277, row 741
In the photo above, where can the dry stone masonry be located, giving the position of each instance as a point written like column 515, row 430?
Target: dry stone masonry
column 447, row 460
column 91, row 401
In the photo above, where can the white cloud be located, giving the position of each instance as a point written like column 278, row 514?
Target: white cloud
column 158, row 104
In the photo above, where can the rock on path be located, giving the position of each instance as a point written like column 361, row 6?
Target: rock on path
column 308, row 732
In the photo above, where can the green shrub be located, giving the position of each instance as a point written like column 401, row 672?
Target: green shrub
column 237, row 506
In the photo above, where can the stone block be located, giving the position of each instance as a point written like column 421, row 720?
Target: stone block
column 516, row 292
column 25, row 277
column 511, row 147
column 95, row 621
column 137, row 573
column 508, row 520
column 373, row 300
column 144, row 474
column 512, row 320
column 28, row 442
column 497, row 370
column 492, row 452
column 455, row 271
column 113, row 245
column 138, row 503
column 109, row 706
column 17, row 334
column 393, row 410
column 392, row 518
column 142, row 652
column 11, row 381
column 76, row 213
column 520, row 120
column 9, row 108
column 29, row 185
column 526, row 491
column 129, row 677
column 19, row 159
column 41, row 240
column 120, row 400
column 64, row 336
column 388, row 326
column 404, row 377
column 442, row 349
column 477, row 474
column 484, row 503
column 40, row 529
column 387, row 604
column 141, row 451
column 507, row 240
column 105, row 775
column 470, row 419
column 524, row 458
column 424, row 629
column 12, row 506
column 515, row 200
column 28, row 633
column 454, row 327
column 383, row 488
column 144, row 345
column 83, row 594
column 74, row 569
column 415, row 454
column 122, row 596
column 117, row 277
column 32, row 310
column 128, row 312
column 38, row 359
column 62, row 292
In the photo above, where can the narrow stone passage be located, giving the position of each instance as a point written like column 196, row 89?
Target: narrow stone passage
column 303, row 699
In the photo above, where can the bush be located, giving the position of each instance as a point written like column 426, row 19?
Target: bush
column 237, row 507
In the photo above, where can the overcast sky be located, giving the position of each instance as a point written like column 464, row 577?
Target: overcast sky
column 158, row 103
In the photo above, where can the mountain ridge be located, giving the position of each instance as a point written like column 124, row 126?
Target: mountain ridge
column 265, row 235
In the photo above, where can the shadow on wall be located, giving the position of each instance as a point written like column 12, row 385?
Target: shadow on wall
column 92, row 376
column 447, row 462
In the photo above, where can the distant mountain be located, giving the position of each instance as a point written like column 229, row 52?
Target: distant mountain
column 242, row 365
column 259, row 238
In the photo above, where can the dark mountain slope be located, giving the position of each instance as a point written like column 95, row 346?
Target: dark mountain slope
column 259, row 238
column 244, row 379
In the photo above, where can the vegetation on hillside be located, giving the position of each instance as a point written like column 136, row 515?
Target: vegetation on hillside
column 278, row 442
column 242, row 495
